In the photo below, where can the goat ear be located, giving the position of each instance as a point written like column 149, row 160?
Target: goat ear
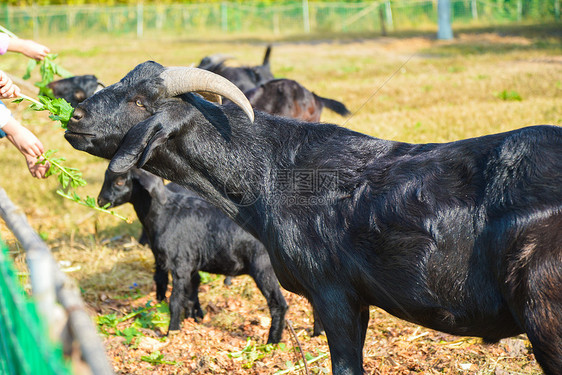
column 138, row 145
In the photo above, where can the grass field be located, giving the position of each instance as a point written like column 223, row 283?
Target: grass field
column 406, row 87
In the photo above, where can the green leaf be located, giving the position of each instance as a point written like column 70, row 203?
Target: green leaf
column 157, row 358
column 31, row 64
column 129, row 333
column 90, row 201
column 108, row 320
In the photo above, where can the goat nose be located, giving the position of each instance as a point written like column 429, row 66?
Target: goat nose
column 78, row 114
column 102, row 201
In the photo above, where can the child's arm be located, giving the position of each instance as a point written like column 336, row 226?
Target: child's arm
column 29, row 48
column 22, row 138
column 28, row 144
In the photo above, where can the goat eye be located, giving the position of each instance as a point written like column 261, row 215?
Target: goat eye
column 139, row 103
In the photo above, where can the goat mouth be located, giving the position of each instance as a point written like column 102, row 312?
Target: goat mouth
column 74, row 134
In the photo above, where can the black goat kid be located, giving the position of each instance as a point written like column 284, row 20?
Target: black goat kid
column 463, row 237
column 186, row 235
column 76, row 89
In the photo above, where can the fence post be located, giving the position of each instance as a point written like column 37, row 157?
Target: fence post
column 275, row 11
column 38, row 258
column 444, row 30
column 34, row 12
column 381, row 19
column 519, row 10
column 389, row 20
column 224, row 17
column 305, row 16
column 474, row 9
column 557, row 10
column 5, row 18
column 140, row 19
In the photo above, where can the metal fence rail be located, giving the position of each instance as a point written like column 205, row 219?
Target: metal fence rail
column 280, row 17
column 58, row 302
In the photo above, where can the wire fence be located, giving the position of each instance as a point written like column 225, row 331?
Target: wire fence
column 25, row 347
column 281, row 17
column 35, row 334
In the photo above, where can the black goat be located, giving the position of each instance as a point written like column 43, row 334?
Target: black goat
column 463, row 237
column 288, row 98
column 186, row 235
column 76, row 89
column 245, row 77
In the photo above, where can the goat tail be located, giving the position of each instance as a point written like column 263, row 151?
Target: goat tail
column 333, row 105
column 266, row 57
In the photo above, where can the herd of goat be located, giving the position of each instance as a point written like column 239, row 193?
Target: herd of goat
column 463, row 237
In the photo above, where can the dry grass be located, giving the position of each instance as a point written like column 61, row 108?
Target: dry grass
column 410, row 88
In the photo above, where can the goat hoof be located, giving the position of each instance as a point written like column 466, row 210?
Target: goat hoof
column 173, row 332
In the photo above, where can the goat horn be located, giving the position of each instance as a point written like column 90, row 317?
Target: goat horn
column 179, row 80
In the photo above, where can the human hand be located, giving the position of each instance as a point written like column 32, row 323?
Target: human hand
column 29, row 48
column 36, row 170
column 24, row 140
column 7, row 88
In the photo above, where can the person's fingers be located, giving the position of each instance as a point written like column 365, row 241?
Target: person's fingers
column 35, row 151
column 37, row 170
column 39, row 148
column 7, row 91
column 43, row 169
column 42, row 52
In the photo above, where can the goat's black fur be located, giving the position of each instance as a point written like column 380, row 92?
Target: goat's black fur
column 463, row 237
column 288, row 98
column 245, row 77
column 187, row 235
column 75, row 89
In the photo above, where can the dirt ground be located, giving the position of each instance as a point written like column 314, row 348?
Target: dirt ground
column 231, row 340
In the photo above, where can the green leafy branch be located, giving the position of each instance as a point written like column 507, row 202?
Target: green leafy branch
column 157, row 358
column 254, row 352
column 291, row 367
column 68, row 177
column 48, row 70
column 71, row 178
column 60, row 110
column 147, row 317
